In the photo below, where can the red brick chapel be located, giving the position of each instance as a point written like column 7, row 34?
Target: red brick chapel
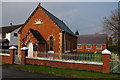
column 44, row 32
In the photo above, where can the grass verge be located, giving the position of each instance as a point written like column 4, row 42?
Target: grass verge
column 65, row 72
column 3, row 64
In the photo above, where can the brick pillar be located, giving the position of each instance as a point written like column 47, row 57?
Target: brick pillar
column 106, row 61
column 24, row 51
column 12, row 54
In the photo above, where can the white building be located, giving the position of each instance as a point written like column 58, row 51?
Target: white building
column 9, row 35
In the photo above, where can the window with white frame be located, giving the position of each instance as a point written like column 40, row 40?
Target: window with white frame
column 88, row 46
column 99, row 46
column 79, row 46
column 15, row 35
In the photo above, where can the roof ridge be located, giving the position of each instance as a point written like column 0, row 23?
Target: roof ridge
column 8, row 29
column 57, row 21
column 11, row 25
column 29, row 17
column 90, row 34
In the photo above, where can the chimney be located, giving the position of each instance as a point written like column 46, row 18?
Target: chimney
column 10, row 24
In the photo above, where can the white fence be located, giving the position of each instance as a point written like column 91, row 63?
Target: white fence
column 73, row 56
column 4, row 51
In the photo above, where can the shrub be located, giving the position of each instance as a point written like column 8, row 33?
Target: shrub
column 112, row 48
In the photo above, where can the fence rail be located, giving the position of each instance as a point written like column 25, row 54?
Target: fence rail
column 72, row 56
column 4, row 51
column 83, row 57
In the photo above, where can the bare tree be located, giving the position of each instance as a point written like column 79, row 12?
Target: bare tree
column 112, row 27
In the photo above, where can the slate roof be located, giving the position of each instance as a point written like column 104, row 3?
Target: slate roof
column 58, row 22
column 92, row 39
column 8, row 29
column 38, row 36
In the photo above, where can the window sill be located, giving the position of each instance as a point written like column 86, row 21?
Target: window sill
column 50, row 51
column 99, row 48
column 67, row 51
column 88, row 48
column 79, row 48
column 74, row 50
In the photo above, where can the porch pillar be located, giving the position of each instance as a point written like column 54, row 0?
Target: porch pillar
column 24, row 52
column 106, row 61
column 12, row 54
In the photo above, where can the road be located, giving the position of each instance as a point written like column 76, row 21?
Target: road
column 7, row 72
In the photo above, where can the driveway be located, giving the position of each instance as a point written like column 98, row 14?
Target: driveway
column 13, row 73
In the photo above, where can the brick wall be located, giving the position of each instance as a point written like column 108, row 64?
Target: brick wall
column 47, row 29
column 5, row 59
column 73, row 42
column 58, row 64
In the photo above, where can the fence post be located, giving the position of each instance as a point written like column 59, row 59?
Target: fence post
column 106, row 61
column 12, row 54
column 24, row 51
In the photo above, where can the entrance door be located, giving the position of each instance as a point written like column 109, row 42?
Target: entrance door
column 30, row 49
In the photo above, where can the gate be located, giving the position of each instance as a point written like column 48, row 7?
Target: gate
column 17, row 60
column 115, row 64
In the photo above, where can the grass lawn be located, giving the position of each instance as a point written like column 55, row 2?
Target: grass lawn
column 66, row 72
column 3, row 64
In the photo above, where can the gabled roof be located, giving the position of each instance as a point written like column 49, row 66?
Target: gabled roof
column 92, row 39
column 38, row 36
column 57, row 21
column 8, row 29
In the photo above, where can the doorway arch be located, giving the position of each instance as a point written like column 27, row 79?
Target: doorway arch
column 30, row 49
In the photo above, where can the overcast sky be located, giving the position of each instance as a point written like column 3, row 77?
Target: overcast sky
column 87, row 17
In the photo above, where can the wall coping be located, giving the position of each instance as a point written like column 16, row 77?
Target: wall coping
column 69, row 61
column 4, row 54
column 12, row 47
column 50, row 51
column 106, row 51
column 24, row 48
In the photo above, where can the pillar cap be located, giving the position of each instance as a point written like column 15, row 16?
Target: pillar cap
column 106, row 51
column 12, row 47
column 24, row 48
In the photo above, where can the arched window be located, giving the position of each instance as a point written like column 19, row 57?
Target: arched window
column 51, row 43
column 23, row 45
column 34, row 47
